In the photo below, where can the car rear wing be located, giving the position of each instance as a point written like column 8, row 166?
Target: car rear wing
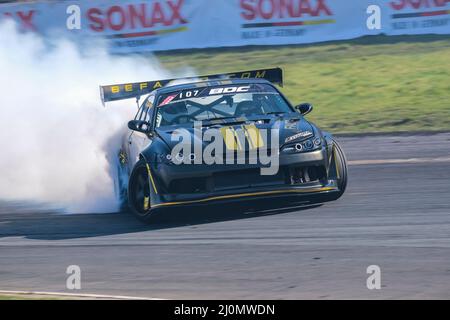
column 135, row 90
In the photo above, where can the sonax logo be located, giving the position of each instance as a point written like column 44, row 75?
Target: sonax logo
column 268, row 9
column 277, row 14
column 138, row 20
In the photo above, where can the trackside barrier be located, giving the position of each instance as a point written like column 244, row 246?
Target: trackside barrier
column 138, row 25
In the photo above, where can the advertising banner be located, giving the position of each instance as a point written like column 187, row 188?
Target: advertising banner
column 127, row 26
column 418, row 17
column 154, row 25
column 286, row 22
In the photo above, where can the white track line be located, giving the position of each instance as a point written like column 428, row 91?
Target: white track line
column 397, row 161
column 75, row 295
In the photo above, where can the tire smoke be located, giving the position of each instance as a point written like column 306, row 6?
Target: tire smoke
column 57, row 139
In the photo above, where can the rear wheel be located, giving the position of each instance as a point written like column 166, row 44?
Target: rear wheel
column 139, row 191
column 122, row 186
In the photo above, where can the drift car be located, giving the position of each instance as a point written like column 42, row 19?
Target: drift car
column 311, row 164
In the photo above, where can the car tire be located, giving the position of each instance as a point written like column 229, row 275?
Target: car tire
column 340, row 164
column 139, row 192
column 122, row 187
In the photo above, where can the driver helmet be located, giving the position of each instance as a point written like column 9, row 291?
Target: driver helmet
column 259, row 98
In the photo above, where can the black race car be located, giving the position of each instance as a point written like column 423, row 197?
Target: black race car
column 222, row 138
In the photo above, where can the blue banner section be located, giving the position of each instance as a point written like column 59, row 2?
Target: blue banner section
column 154, row 25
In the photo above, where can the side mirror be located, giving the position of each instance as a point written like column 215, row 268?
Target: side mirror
column 139, row 125
column 304, row 108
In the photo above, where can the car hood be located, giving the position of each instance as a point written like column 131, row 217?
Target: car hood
column 290, row 129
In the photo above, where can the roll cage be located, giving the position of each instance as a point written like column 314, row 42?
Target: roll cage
column 147, row 110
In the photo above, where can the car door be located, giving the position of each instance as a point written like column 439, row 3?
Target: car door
column 138, row 141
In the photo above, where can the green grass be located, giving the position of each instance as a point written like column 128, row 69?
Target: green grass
column 376, row 84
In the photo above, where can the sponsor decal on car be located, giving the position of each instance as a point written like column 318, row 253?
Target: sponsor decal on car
column 303, row 134
column 168, row 100
column 229, row 90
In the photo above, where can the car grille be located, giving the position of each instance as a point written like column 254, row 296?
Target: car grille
column 247, row 178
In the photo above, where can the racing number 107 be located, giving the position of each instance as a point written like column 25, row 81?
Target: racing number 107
column 189, row 94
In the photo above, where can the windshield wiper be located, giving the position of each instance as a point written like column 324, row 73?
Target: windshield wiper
column 232, row 120
column 220, row 118
column 276, row 112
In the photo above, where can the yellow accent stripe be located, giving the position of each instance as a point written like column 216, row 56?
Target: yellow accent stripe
column 252, row 135
column 238, row 141
column 314, row 22
column 248, row 138
column 255, row 136
column 151, row 178
column 146, row 202
column 180, row 29
column 231, row 196
column 229, row 138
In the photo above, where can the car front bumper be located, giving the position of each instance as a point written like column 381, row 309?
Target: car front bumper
column 308, row 193
column 236, row 185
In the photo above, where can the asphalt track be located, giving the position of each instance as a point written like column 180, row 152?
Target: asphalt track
column 395, row 214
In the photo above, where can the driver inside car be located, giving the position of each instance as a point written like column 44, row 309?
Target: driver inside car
column 250, row 107
column 175, row 113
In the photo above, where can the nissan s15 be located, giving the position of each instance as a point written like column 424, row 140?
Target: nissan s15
column 219, row 139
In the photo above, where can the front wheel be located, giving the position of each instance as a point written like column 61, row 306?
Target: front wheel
column 139, row 191
column 340, row 168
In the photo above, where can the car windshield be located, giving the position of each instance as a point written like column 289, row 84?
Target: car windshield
column 219, row 103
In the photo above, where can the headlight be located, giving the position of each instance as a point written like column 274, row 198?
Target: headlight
column 305, row 146
column 308, row 144
column 317, row 142
column 299, row 147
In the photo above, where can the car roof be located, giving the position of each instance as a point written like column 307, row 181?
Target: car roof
column 209, row 83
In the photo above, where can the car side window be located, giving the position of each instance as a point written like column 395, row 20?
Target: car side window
column 145, row 111
column 147, row 116
column 139, row 113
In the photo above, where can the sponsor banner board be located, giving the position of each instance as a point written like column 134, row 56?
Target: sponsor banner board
column 153, row 25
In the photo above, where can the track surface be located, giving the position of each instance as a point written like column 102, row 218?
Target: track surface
column 396, row 216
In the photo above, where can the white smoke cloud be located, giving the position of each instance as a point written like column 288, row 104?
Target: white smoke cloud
column 56, row 137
